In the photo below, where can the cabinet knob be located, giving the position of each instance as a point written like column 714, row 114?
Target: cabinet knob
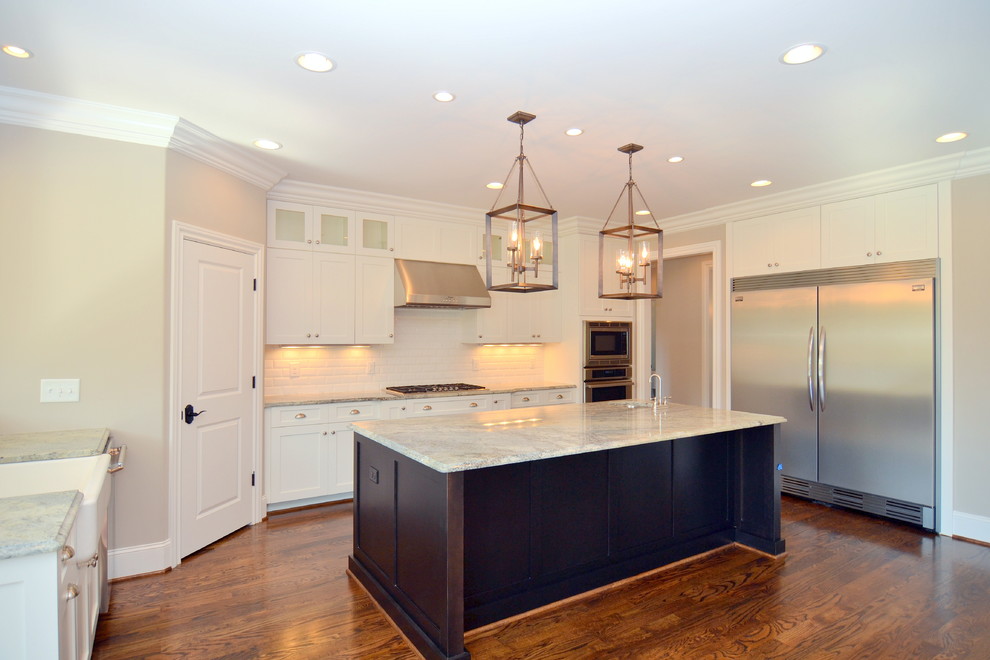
column 474, row 404
column 309, row 240
column 68, row 552
column 333, row 433
column 390, row 334
column 324, row 433
column 308, row 335
column 391, row 249
column 869, row 254
column 317, row 242
column 72, row 591
column 480, row 337
column 427, row 407
column 317, row 334
column 879, row 253
column 355, row 412
column 776, row 264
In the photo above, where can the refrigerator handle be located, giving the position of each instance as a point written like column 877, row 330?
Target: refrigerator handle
column 821, row 370
column 811, row 368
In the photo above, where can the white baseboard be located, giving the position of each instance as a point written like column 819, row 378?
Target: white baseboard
column 971, row 526
column 139, row 559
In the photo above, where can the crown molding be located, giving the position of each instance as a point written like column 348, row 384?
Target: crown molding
column 23, row 107
column 954, row 166
column 201, row 145
column 317, row 194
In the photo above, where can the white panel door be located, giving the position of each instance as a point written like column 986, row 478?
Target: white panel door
column 216, row 358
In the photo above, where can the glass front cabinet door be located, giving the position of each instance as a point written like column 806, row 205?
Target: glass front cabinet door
column 302, row 227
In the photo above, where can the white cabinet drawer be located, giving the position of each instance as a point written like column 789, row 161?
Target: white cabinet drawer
column 352, row 412
column 531, row 398
column 448, row 405
column 297, row 415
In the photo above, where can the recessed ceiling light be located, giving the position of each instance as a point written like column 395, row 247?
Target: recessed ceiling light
column 264, row 143
column 676, row 159
column 643, row 212
column 803, row 54
column 315, row 62
column 573, row 131
column 952, row 137
column 17, row 51
column 494, row 185
column 761, row 183
column 444, row 97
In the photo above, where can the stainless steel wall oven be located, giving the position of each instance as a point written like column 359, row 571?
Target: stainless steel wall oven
column 607, row 360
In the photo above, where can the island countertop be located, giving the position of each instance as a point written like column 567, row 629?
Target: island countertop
column 500, row 437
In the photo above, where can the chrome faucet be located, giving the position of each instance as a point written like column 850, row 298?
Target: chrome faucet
column 656, row 397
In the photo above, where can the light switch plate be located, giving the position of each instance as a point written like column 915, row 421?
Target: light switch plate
column 59, row 390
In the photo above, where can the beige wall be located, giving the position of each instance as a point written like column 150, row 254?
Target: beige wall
column 200, row 195
column 679, row 330
column 971, row 364
column 83, row 295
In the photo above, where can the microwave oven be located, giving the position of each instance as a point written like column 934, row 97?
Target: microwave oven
column 607, row 343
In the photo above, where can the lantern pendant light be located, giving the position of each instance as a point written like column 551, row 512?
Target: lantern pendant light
column 519, row 259
column 630, row 257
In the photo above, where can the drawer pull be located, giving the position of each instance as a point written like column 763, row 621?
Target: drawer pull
column 300, row 415
column 72, row 591
column 560, row 396
column 525, row 398
column 427, row 407
column 474, row 404
column 355, row 412
column 68, row 552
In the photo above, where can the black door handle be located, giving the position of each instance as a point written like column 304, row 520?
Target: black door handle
column 190, row 415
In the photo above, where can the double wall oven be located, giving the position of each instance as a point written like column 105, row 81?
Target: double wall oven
column 607, row 360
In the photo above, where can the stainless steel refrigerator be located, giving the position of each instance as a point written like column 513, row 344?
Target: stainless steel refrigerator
column 850, row 362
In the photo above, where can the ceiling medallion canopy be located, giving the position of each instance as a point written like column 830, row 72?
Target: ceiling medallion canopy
column 630, row 257
column 520, row 239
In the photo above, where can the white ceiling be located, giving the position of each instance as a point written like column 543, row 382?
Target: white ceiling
column 698, row 78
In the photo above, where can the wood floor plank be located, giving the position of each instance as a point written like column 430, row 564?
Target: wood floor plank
column 849, row 587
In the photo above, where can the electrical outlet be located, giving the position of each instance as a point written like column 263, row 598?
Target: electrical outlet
column 59, row 390
column 293, row 370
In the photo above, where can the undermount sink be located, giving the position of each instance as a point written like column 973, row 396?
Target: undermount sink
column 87, row 474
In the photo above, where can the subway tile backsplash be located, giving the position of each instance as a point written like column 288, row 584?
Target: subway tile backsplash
column 427, row 349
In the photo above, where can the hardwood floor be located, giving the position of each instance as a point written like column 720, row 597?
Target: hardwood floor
column 849, row 586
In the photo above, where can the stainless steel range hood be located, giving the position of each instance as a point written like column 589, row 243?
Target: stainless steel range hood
column 439, row 285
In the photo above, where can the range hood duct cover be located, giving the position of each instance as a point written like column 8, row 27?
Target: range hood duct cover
column 434, row 284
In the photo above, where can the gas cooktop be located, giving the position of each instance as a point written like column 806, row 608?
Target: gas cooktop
column 445, row 387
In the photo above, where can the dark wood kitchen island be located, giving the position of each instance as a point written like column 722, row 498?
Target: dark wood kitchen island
column 464, row 520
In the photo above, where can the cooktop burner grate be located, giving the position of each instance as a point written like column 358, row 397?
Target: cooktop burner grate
column 444, row 387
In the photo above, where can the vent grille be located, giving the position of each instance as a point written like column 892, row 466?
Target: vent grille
column 908, row 512
column 898, row 270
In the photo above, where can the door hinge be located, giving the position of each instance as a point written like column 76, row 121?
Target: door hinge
column 256, row 284
column 252, row 478
column 254, row 382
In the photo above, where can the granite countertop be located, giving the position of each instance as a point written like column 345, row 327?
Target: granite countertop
column 381, row 395
column 34, row 524
column 47, row 445
column 499, row 437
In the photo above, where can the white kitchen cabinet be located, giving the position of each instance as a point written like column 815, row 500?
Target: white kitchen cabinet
column 515, row 318
column 375, row 234
column 311, row 228
column 896, row 226
column 309, row 450
column 591, row 305
column 779, row 243
column 316, row 298
column 530, row 398
column 436, row 240
column 45, row 605
column 447, row 405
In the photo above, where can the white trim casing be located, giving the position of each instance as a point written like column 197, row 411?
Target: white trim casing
column 944, row 390
column 181, row 232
